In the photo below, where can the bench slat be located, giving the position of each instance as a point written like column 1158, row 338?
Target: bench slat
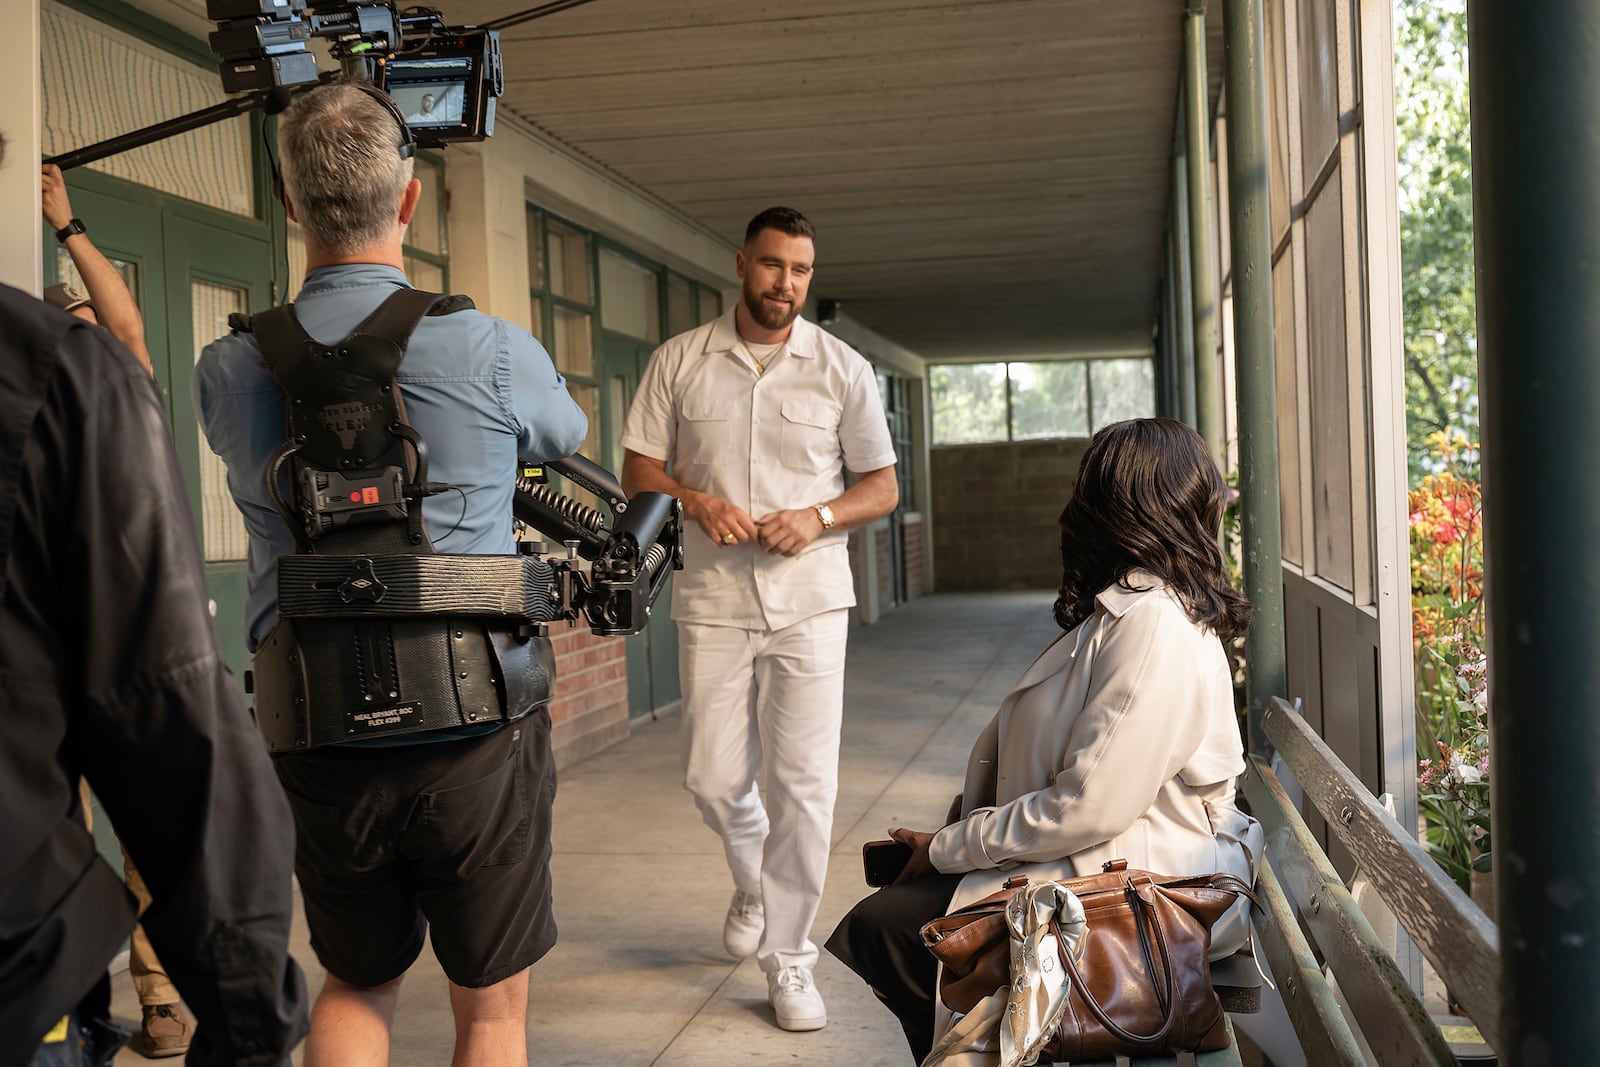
column 1456, row 936
column 1318, row 1020
column 1392, row 1019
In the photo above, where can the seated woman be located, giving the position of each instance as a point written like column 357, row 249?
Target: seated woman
column 1119, row 742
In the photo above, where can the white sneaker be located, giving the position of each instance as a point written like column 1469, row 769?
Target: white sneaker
column 741, row 930
column 795, row 1000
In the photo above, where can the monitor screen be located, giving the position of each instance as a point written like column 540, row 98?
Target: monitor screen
column 431, row 92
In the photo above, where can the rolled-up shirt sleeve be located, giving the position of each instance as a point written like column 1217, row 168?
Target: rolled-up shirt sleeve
column 548, row 422
column 1141, row 721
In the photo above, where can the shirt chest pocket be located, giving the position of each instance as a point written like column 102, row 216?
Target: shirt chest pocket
column 809, row 434
column 706, row 430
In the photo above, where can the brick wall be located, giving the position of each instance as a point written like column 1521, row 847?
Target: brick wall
column 913, row 540
column 994, row 513
column 589, row 710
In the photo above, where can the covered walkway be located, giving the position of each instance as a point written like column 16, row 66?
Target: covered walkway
column 639, row 978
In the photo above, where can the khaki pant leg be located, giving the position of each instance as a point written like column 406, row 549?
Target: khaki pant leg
column 150, row 979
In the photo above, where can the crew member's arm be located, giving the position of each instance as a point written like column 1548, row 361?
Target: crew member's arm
column 161, row 731
column 549, row 423
column 114, row 306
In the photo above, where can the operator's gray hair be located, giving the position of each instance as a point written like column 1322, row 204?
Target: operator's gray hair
column 342, row 167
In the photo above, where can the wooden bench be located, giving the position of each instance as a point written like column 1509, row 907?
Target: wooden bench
column 1301, row 894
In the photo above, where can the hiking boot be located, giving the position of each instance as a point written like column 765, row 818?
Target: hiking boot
column 165, row 1032
column 795, row 1000
column 741, row 930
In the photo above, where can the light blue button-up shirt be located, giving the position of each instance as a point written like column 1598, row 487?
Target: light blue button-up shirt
column 481, row 392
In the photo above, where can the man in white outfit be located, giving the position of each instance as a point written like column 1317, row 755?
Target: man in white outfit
column 759, row 414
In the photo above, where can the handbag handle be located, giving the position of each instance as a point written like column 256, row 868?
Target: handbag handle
column 1167, row 996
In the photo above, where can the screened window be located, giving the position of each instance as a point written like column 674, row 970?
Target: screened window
column 976, row 403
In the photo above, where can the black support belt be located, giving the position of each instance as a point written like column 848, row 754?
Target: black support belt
column 314, row 586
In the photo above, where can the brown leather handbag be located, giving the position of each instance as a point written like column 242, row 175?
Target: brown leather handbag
column 1142, row 986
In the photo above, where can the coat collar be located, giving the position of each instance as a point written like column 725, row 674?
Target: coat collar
column 1117, row 599
column 1065, row 648
column 803, row 340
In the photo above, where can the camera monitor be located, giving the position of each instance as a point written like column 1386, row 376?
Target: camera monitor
column 446, row 86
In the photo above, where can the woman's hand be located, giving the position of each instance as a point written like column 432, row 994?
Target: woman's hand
column 919, row 865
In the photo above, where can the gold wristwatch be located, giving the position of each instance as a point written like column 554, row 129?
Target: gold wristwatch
column 825, row 513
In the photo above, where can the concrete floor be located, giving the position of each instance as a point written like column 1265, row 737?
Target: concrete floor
column 639, row 978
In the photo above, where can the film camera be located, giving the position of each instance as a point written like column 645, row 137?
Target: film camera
column 443, row 79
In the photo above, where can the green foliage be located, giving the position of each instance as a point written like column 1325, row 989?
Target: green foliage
column 1435, row 171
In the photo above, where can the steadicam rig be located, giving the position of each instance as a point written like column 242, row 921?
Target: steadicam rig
column 629, row 557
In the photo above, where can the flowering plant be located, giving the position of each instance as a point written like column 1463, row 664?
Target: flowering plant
column 1446, row 520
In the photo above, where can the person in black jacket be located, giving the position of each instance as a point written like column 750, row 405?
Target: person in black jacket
column 109, row 669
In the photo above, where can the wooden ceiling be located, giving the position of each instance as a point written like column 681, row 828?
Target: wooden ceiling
column 987, row 177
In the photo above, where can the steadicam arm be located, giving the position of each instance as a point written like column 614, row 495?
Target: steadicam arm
column 630, row 555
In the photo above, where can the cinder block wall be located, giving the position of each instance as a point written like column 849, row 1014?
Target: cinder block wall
column 994, row 513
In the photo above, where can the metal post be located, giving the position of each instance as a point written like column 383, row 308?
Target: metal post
column 1202, row 236
column 1184, row 334
column 1250, row 227
column 1167, row 353
column 1535, row 88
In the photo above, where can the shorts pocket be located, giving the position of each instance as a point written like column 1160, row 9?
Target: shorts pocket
column 809, row 435
column 484, row 823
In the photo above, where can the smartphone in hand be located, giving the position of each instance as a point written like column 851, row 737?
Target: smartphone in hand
column 884, row 860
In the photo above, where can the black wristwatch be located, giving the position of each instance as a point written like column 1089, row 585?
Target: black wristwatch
column 73, row 227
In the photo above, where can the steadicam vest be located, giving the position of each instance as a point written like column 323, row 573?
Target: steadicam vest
column 378, row 634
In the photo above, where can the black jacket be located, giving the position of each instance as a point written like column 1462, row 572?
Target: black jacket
column 109, row 669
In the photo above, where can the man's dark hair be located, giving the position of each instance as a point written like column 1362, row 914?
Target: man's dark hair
column 1149, row 497
column 784, row 220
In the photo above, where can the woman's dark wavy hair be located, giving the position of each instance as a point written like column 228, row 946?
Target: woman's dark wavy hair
column 1148, row 497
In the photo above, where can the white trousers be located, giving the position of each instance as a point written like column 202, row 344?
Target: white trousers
column 773, row 699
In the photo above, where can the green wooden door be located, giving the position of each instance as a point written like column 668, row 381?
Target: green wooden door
column 209, row 276
column 653, row 654
column 187, row 267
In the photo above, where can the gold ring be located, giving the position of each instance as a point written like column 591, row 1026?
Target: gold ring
column 728, row 538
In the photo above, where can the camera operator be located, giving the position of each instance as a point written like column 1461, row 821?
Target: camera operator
column 446, row 829
column 110, row 671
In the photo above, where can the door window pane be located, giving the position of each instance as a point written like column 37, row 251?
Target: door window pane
column 1049, row 400
column 629, row 297
column 710, row 304
column 680, row 305
column 569, row 262
column 536, row 313
column 574, row 354
column 427, row 231
column 535, row 255
column 67, row 274
column 424, row 275
column 224, row 533
column 1122, row 389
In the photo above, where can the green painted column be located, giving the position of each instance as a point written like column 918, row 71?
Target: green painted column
column 1250, row 229
column 1535, row 81
column 1184, row 334
column 1202, row 237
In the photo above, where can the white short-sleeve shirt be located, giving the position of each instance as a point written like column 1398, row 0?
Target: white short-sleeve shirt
column 764, row 440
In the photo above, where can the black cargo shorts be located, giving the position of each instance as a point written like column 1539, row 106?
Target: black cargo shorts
column 452, row 835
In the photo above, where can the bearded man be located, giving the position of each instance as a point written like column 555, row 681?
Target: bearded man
column 759, row 413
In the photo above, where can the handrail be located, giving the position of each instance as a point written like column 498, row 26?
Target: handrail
column 1454, row 934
